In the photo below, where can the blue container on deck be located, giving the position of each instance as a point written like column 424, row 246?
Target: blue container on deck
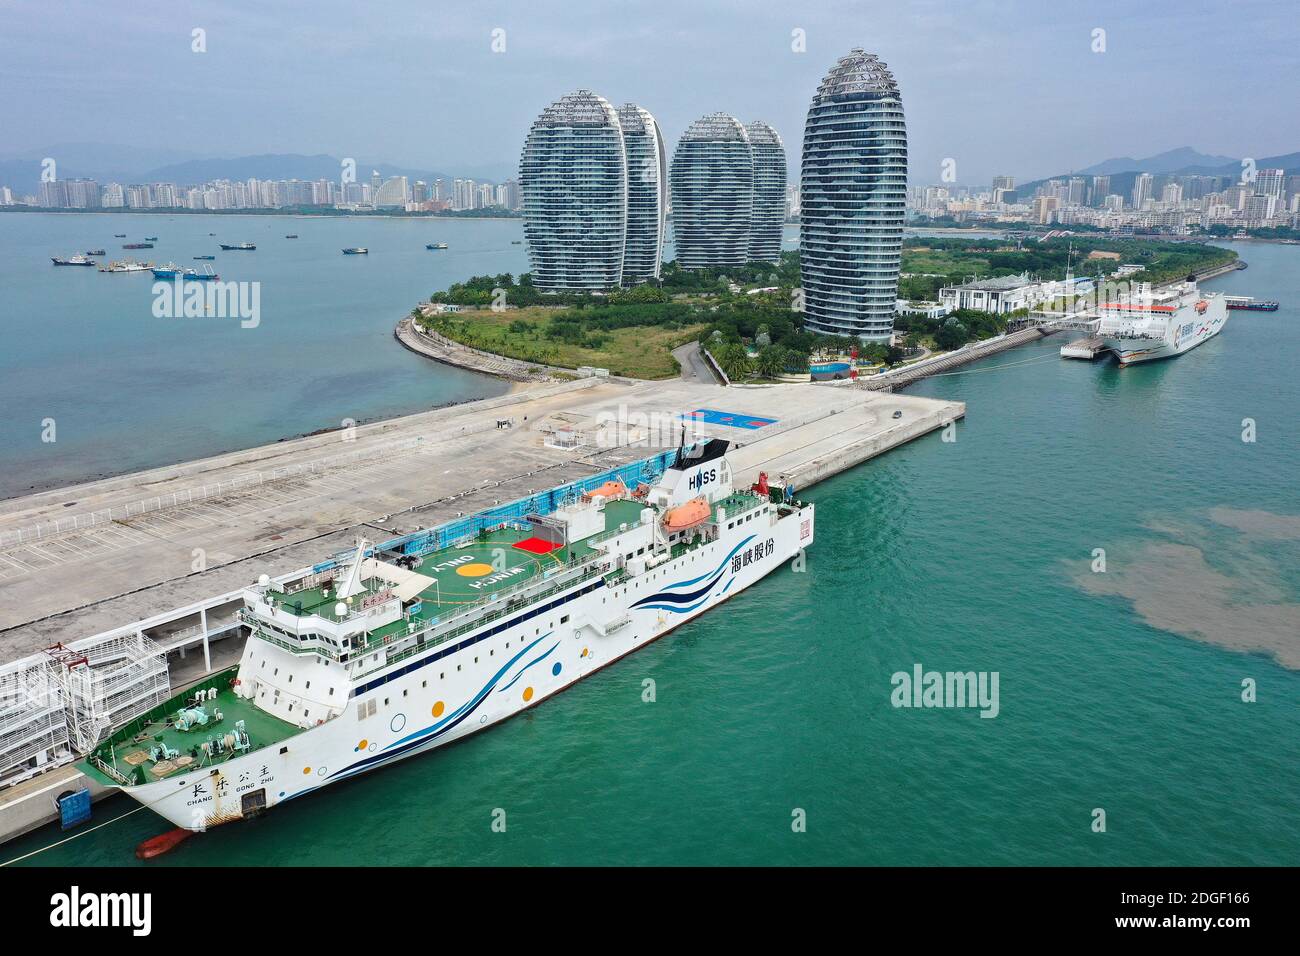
column 74, row 808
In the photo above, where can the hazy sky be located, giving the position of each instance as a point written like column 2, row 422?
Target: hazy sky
column 998, row 86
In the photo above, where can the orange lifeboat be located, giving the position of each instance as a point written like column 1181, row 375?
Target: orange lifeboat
column 1201, row 307
column 609, row 490
column 694, row 512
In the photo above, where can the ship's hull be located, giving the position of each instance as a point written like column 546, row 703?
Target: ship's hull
column 463, row 686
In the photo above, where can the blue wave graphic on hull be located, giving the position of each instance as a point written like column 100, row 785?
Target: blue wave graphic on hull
column 673, row 597
column 420, row 737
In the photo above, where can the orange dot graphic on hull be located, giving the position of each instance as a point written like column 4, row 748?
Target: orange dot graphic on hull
column 306, row 770
column 438, row 708
column 476, row 570
column 528, row 693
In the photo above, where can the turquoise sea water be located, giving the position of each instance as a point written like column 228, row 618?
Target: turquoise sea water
column 1114, row 689
column 128, row 390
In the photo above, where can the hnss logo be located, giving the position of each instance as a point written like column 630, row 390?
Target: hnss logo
column 702, row 478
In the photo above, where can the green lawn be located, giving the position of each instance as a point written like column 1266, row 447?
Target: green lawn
column 638, row 352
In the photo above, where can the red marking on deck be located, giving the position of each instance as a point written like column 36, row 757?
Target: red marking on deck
column 537, row 546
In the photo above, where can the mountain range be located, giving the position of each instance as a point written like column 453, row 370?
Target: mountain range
column 125, row 164
column 1183, row 161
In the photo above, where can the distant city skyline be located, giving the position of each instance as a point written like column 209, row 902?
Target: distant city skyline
column 1019, row 89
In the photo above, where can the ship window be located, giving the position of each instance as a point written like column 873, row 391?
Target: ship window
column 291, row 707
column 290, row 678
column 424, row 683
column 565, row 619
column 306, row 712
column 405, row 692
column 308, row 687
column 331, row 691
column 385, row 701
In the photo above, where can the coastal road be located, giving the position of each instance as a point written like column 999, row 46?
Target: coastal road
column 695, row 368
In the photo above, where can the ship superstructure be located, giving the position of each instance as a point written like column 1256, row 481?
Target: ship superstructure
column 1147, row 325
column 398, row 648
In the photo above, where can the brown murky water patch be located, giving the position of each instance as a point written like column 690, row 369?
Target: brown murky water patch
column 1260, row 524
column 1240, row 602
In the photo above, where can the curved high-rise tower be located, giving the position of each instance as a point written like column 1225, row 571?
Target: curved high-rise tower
column 712, row 188
column 768, row 215
column 647, row 194
column 573, row 182
column 852, row 195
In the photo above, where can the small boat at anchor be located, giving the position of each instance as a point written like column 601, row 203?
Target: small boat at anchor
column 126, row 265
column 356, row 251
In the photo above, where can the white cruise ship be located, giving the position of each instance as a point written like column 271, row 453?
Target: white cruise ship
column 396, row 649
column 1153, row 325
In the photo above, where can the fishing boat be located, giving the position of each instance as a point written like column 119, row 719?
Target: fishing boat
column 206, row 258
column 356, row 251
column 126, row 265
column 239, row 247
column 72, row 261
column 435, row 245
column 95, row 252
column 294, row 236
column 168, row 271
column 150, row 238
column 207, row 275
column 137, row 245
column 119, row 235
column 1247, row 303
column 386, row 652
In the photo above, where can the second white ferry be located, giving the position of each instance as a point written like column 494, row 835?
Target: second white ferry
column 1150, row 325
column 397, row 649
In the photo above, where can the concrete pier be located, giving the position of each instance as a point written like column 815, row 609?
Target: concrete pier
column 172, row 547
column 1086, row 348
column 948, row 361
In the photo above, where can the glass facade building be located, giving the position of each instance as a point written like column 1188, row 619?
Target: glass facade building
column 712, row 183
column 853, row 190
column 574, row 186
column 768, row 211
column 647, row 194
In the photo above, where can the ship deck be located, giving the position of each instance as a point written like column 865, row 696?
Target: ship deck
column 469, row 573
column 127, row 750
